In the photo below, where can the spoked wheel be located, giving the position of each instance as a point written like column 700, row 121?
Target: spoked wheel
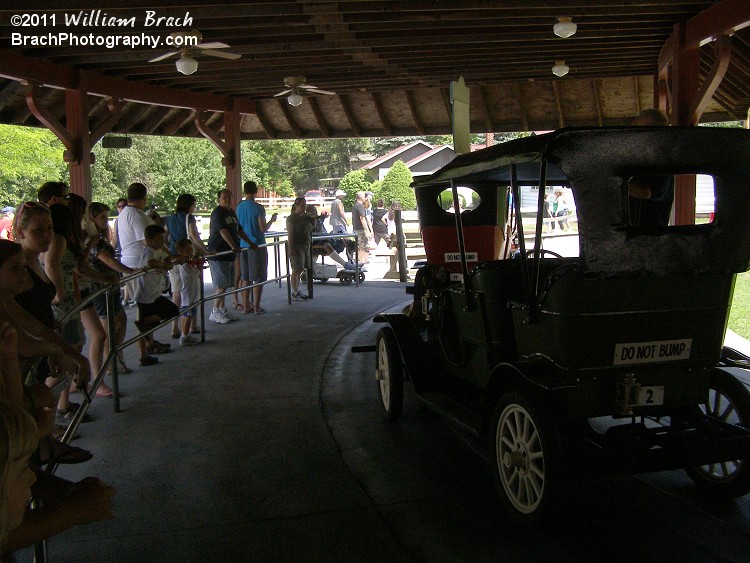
column 728, row 401
column 389, row 372
column 523, row 456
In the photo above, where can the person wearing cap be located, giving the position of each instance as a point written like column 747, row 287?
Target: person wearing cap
column 6, row 222
column 338, row 220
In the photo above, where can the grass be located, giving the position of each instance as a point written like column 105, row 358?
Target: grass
column 739, row 316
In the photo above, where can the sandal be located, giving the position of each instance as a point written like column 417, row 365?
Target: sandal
column 250, row 309
column 149, row 360
column 175, row 334
column 195, row 330
column 238, row 306
column 52, row 451
column 260, row 311
column 105, row 394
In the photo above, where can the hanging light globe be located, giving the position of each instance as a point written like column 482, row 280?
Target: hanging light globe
column 560, row 69
column 564, row 27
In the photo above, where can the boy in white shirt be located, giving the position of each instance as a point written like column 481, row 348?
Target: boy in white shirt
column 153, row 307
column 190, row 276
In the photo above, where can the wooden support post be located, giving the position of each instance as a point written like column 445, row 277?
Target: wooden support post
column 685, row 85
column 233, row 158
column 77, row 124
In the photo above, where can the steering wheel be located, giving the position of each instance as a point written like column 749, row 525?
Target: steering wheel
column 533, row 251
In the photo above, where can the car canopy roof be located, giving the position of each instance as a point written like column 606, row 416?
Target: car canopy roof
column 597, row 164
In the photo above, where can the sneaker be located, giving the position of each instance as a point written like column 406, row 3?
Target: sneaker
column 187, row 340
column 227, row 315
column 350, row 266
column 218, row 317
column 299, row 296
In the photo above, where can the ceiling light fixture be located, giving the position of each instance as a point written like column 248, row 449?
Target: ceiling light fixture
column 560, row 68
column 186, row 64
column 294, row 99
column 564, row 27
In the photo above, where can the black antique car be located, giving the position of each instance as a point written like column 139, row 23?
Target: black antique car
column 611, row 360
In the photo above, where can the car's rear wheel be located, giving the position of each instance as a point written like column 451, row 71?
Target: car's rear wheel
column 728, row 401
column 389, row 372
column 523, row 454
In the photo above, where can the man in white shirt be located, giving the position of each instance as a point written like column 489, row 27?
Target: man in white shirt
column 131, row 225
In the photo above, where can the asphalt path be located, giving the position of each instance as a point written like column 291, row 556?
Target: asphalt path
column 436, row 495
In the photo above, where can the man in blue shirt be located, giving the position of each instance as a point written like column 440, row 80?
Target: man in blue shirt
column 253, row 262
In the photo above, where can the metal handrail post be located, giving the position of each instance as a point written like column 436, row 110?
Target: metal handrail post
column 110, row 297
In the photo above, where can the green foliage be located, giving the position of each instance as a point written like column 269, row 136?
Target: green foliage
column 396, row 185
column 353, row 182
column 739, row 314
column 28, row 158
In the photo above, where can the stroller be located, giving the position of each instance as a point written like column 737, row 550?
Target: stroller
column 322, row 271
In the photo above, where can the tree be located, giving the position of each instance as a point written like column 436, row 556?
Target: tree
column 397, row 185
column 28, row 158
column 353, row 182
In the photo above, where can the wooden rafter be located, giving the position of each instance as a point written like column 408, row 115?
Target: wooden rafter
column 414, row 111
column 265, row 124
column 182, row 118
column 350, row 116
column 319, row 118
column 381, row 113
column 489, row 125
column 523, row 114
column 558, row 104
column 597, row 102
column 284, row 107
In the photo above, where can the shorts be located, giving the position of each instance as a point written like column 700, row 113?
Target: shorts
column 254, row 265
column 72, row 329
column 364, row 243
column 185, row 313
column 175, row 280
column 222, row 273
column 100, row 304
column 162, row 308
column 299, row 258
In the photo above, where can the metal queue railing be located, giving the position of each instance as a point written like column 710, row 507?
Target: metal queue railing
column 113, row 292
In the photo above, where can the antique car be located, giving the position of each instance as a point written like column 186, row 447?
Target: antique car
column 608, row 361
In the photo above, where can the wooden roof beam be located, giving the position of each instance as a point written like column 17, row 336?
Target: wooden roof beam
column 265, row 124
column 418, row 123
column 158, row 115
column 387, row 129
column 182, row 118
column 319, row 118
column 35, row 70
column 490, row 127
column 350, row 115
column 558, row 104
column 135, row 115
column 523, row 113
column 597, row 102
column 284, row 107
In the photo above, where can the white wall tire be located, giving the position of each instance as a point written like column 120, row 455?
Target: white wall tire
column 389, row 373
column 523, row 457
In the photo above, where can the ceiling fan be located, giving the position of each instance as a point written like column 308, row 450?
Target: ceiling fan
column 296, row 86
column 187, row 64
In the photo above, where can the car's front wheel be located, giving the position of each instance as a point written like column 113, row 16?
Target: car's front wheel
column 389, row 373
column 728, row 401
column 523, row 455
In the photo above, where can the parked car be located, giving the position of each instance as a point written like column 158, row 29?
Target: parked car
column 314, row 197
column 611, row 361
